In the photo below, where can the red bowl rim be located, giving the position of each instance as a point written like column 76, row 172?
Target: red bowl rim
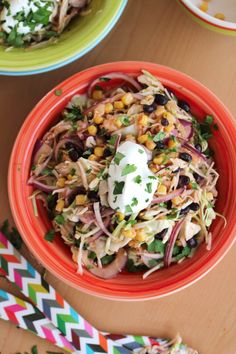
column 213, row 259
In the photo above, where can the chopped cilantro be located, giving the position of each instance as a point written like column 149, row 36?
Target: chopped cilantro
column 176, row 250
column 50, row 235
column 58, row 92
column 138, row 179
column 159, row 136
column 47, row 172
column 119, row 186
column 128, row 169
column 128, row 209
column 162, row 205
column 133, row 268
column 152, row 177
column 208, row 119
column 107, row 259
column 118, row 157
column 100, row 173
column 72, row 171
column 148, row 188
column 97, row 87
column 146, row 200
column 113, row 139
column 194, row 185
column 115, row 199
column 140, row 151
column 124, row 120
column 92, row 255
column 184, row 253
column 215, row 127
column 34, row 349
column 134, row 201
column 42, row 16
column 59, row 219
column 156, row 246
column 152, row 263
column 131, row 222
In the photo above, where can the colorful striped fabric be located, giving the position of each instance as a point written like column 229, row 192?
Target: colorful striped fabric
column 28, row 317
column 85, row 338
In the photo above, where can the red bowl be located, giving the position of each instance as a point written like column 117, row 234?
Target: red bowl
column 56, row 257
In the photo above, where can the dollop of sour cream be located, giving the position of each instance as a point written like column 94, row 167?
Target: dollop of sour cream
column 131, row 184
column 15, row 15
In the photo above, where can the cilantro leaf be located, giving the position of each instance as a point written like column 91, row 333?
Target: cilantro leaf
column 113, row 139
column 140, row 151
column 58, row 92
column 148, row 188
column 128, row 169
column 134, row 201
column 159, row 136
column 50, row 235
column 105, row 79
column 118, row 157
column 156, row 246
column 128, row 209
column 59, row 219
column 138, row 179
column 208, row 119
column 119, row 186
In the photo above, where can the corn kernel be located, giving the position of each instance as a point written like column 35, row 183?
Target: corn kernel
column 159, row 111
column 127, row 99
column 131, row 233
column 92, row 130
column 132, row 243
column 61, row 182
column 93, row 157
column 153, row 169
column 60, row 205
column 70, row 177
column 140, row 235
column 169, row 117
column 203, row 6
column 143, row 138
column 177, row 200
column 120, row 216
column 209, row 196
column 220, row 16
column 98, row 119
column 143, row 120
column 98, row 151
column 169, row 128
column 97, row 94
column 150, row 145
column 171, row 143
column 108, row 108
column 118, row 123
column 158, row 159
column 161, row 189
column 118, row 104
column 80, row 199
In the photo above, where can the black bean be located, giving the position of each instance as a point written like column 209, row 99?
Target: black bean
column 71, row 198
column 93, row 196
column 198, row 147
column 185, row 156
column 160, row 145
column 164, row 122
column 184, row 211
column 73, row 155
column 74, row 151
column 161, row 234
column 161, row 99
column 183, row 181
column 184, row 105
column 80, row 190
column 149, row 108
column 107, row 153
column 192, row 243
column 197, row 177
column 194, row 206
column 169, row 204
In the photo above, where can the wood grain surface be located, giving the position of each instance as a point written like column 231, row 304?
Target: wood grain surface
column 157, row 31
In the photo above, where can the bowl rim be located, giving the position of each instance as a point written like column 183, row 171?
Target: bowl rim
column 182, row 283
column 227, row 25
column 63, row 62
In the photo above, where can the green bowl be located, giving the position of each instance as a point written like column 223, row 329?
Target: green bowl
column 82, row 35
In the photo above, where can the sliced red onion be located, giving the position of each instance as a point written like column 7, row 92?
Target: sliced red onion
column 195, row 151
column 39, row 150
column 188, row 128
column 171, row 243
column 62, row 142
column 99, row 233
column 112, row 76
column 98, row 216
column 89, row 216
column 111, row 270
column 41, row 186
column 167, row 197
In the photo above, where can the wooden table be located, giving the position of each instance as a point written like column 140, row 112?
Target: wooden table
column 157, row 31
